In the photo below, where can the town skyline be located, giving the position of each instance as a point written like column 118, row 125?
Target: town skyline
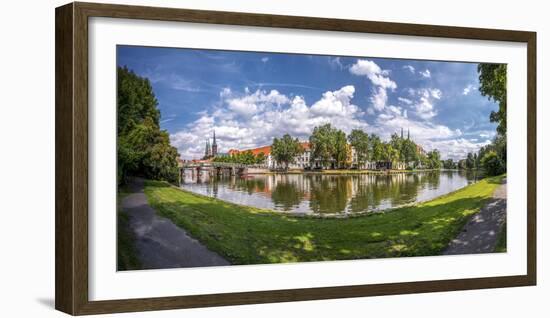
column 249, row 98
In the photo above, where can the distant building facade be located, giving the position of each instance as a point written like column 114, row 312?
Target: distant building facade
column 305, row 161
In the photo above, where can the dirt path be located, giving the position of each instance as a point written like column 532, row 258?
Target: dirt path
column 160, row 243
column 480, row 234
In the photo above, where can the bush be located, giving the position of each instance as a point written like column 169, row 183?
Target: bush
column 492, row 164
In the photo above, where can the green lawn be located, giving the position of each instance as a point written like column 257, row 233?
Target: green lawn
column 245, row 235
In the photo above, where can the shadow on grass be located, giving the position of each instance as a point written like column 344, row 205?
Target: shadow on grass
column 245, row 236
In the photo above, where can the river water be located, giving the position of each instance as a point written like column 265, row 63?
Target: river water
column 312, row 193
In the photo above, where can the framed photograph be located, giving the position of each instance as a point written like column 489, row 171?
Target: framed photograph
column 211, row 158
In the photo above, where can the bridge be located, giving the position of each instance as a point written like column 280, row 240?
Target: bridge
column 219, row 168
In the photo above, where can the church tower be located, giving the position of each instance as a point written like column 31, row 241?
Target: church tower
column 214, row 146
column 408, row 133
column 401, row 132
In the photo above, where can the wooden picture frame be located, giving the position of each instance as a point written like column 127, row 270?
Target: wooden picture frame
column 71, row 122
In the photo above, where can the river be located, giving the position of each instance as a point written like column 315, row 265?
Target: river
column 315, row 193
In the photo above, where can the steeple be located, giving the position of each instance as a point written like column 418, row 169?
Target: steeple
column 214, row 145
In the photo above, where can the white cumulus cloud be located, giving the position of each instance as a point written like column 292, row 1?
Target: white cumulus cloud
column 252, row 119
column 426, row 73
column 373, row 72
column 380, row 80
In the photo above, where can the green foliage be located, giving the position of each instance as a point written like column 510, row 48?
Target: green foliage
column 408, row 151
column 475, row 160
column 245, row 157
column 433, row 159
column 323, row 144
column 492, row 164
column 470, row 161
column 284, row 150
column 359, row 140
column 143, row 149
column 449, row 164
column 330, row 147
column 376, row 148
column 340, row 149
column 492, row 83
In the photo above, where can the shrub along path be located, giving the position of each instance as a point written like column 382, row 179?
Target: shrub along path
column 482, row 232
column 246, row 235
column 160, row 243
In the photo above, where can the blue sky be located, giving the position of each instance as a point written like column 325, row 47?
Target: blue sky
column 251, row 97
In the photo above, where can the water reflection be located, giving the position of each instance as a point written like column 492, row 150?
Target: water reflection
column 316, row 193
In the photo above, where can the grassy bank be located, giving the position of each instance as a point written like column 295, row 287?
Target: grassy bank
column 126, row 252
column 354, row 171
column 246, row 235
column 346, row 171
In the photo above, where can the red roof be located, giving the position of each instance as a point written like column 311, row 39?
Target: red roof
column 265, row 149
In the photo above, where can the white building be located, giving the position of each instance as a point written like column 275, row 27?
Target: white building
column 303, row 161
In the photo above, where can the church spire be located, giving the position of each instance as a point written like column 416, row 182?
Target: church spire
column 214, row 145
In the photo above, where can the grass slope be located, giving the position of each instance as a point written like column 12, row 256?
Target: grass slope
column 246, row 235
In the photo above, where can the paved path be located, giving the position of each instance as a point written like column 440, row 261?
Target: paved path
column 480, row 234
column 160, row 243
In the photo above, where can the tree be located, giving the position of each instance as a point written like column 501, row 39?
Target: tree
column 286, row 149
column 322, row 142
column 376, row 148
column 492, row 83
column 359, row 140
column 349, row 156
column 470, row 162
column 408, row 151
column 143, row 149
column 389, row 153
column 492, row 164
column 449, row 164
column 340, row 148
column 434, row 159
column 260, row 158
column 397, row 142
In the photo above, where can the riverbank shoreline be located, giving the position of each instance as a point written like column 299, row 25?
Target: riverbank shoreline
column 247, row 235
column 344, row 172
